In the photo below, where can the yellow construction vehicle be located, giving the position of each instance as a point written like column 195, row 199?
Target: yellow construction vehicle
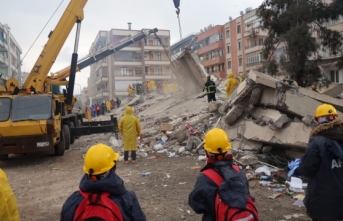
column 32, row 118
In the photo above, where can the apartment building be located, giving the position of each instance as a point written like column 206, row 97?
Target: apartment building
column 244, row 42
column 10, row 52
column 211, row 50
column 137, row 63
column 329, row 61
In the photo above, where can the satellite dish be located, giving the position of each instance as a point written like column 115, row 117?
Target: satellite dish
column 230, row 18
column 242, row 13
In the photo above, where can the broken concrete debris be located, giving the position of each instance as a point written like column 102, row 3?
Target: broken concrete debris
column 262, row 116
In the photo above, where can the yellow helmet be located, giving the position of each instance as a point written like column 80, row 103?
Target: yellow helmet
column 99, row 159
column 217, row 141
column 325, row 110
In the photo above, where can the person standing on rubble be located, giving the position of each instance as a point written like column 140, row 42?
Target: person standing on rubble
column 231, row 84
column 8, row 202
column 102, row 194
column 220, row 176
column 130, row 128
column 210, row 89
column 323, row 165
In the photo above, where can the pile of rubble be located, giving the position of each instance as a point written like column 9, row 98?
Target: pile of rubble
column 264, row 115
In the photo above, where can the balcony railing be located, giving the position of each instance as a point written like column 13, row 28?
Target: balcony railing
column 139, row 73
column 128, row 59
column 214, row 56
column 101, row 76
column 254, row 63
column 253, row 46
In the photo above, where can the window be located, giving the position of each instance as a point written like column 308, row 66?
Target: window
column 31, row 108
column 227, row 33
column 5, row 104
column 158, row 56
column 123, row 71
column 239, row 45
column 207, row 57
column 254, row 59
column 238, row 29
column 147, row 70
column 260, row 41
column 229, row 65
column 158, row 70
column 220, row 36
column 240, row 61
column 334, row 76
column 212, row 54
column 228, row 49
column 220, row 52
column 157, row 42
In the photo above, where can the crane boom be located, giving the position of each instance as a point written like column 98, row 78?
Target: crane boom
column 102, row 53
column 57, row 38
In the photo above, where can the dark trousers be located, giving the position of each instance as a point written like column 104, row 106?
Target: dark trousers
column 211, row 97
column 126, row 155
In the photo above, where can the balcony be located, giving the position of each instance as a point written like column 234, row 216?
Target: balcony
column 100, row 79
column 254, row 63
column 157, row 62
column 210, row 47
column 257, row 31
column 100, row 64
column 153, row 46
column 3, row 60
column 102, row 93
column 213, row 61
column 253, row 48
column 128, row 61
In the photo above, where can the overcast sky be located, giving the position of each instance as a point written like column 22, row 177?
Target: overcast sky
column 26, row 18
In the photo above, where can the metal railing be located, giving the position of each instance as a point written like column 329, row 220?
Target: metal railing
column 253, row 46
column 254, row 63
column 129, row 74
column 128, row 59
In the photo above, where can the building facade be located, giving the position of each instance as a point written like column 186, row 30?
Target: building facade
column 10, row 52
column 137, row 63
column 244, row 42
column 211, row 50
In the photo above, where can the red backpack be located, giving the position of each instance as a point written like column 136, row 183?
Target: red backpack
column 97, row 206
column 226, row 213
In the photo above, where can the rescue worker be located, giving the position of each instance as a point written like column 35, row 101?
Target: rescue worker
column 202, row 197
column 210, row 88
column 241, row 78
column 231, row 84
column 118, row 102
column 108, row 106
column 88, row 114
column 152, row 85
column 129, row 90
column 8, row 203
column 323, row 165
column 130, row 129
column 165, row 88
column 100, row 176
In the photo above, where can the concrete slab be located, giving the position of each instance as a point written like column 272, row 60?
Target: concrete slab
column 272, row 117
column 337, row 103
column 295, row 135
column 245, row 144
column 263, row 79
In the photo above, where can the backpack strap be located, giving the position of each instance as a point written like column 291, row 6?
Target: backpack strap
column 216, row 177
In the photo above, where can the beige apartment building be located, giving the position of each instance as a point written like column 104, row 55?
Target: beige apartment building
column 137, row 63
column 244, row 42
column 10, row 52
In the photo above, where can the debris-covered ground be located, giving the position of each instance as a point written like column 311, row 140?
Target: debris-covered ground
column 268, row 121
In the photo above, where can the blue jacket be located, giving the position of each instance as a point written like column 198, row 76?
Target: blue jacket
column 233, row 191
column 323, row 164
column 125, row 199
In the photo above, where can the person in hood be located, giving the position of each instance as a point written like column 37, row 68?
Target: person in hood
column 210, row 89
column 231, row 84
column 202, row 197
column 100, row 176
column 323, row 165
column 8, row 203
column 130, row 128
